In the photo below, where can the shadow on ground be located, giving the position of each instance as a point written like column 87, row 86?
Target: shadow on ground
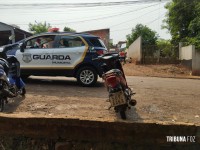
column 56, row 81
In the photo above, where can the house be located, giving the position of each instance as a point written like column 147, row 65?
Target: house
column 10, row 34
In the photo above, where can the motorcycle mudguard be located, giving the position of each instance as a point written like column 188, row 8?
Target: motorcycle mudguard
column 21, row 84
column 17, row 81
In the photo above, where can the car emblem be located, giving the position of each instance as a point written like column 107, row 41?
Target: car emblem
column 27, row 58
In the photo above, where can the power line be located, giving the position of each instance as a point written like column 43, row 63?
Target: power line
column 148, row 23
column 122, row 29
column 119, row 14
column 133, row 18
column 105, row 17
column 74, row 5
column 84, row 20
column 155, row 19
column 144, row 23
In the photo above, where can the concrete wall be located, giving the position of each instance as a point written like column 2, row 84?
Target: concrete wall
column 190, row 57
column 185, row 53
column 30, row 133
column 135, row 50
column 196, row 62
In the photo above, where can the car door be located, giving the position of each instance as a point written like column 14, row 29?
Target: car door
column 70, row 51
column 36, row 55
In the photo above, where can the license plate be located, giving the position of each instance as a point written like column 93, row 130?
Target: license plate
column 117, row 98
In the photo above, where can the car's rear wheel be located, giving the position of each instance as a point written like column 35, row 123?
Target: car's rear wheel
column 86, row 76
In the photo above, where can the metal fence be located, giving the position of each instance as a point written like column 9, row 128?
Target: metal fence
column 151, row 54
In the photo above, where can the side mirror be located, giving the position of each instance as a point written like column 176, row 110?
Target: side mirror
column 22, row 47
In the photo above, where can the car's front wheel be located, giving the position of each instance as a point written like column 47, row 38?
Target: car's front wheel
column 86, row 76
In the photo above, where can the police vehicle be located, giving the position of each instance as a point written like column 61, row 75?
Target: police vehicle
column 59, row 54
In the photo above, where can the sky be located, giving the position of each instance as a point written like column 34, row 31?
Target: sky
column 84, row 15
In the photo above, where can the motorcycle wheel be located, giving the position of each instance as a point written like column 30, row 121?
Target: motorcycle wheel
column 123, row 115
column 1, row 105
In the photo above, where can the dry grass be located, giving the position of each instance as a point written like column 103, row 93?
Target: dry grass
column 169, row 70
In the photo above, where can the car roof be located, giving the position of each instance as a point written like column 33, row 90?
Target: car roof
column 64, row 33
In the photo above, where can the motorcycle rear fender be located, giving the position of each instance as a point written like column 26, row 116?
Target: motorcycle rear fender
column 115, row 78
column 112, row 81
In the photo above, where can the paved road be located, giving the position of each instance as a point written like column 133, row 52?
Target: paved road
column 159, row 99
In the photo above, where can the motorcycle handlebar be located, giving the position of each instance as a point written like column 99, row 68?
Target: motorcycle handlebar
column 94, row 59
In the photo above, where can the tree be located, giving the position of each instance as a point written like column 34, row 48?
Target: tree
column 67, row 29
column 149, row 36
column 183, row 21
column 39, row 27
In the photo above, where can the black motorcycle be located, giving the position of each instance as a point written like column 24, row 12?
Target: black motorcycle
column 115, row 82
column 11, row 85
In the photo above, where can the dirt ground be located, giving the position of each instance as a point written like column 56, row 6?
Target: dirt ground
column 171, row 70
column 159, row 99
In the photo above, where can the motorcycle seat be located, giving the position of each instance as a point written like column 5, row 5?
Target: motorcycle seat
column 113, row 71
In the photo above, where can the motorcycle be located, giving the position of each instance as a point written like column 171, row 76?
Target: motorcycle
column 116, row 84
column 11, row 84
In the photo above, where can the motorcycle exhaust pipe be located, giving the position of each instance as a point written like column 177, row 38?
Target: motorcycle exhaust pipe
column 132, row 102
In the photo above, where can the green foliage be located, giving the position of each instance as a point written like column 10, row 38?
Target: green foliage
column 149, row 37
column 193, row 41
column 67, row 29
column 111, row 45
column 39, row 27
column 165, row 47
column 183, row 21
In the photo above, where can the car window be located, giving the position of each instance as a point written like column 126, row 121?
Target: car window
column 70, row 41
column 96, row 42
column 102, row 43
column 41, row 42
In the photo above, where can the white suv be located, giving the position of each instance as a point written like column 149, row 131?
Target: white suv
column 59, row 54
